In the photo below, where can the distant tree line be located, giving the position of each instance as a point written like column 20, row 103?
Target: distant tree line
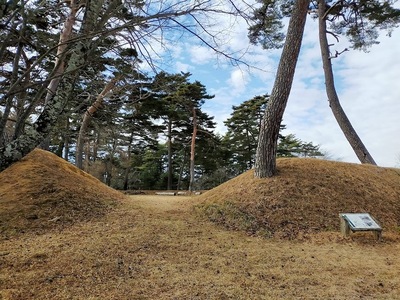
column 59, row 59
column 141, row 136
column 70, row 81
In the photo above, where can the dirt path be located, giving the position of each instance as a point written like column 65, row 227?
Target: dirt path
column 155, row 247
column 163, row 203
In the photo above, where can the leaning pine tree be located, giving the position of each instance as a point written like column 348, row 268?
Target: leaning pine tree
column 345, row 125
column 360, row 21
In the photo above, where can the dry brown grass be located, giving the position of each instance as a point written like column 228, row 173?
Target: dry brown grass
column 306, row 196
column 156, row 247
column 43, row 192
column 153, row 247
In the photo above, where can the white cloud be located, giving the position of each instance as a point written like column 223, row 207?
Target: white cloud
column 182, row 67
column 237, row 81
column 366, row 84
column 220, row 107
column 371, row 97
column 201, row 54
column 368, row 91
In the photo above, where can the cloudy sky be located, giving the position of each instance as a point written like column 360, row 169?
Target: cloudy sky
column 368, row 86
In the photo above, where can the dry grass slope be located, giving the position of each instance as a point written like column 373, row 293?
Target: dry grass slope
column 155, row 247
column 43, row 192
column 306, row 196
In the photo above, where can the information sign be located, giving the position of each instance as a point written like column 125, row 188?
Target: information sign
column 361, row 221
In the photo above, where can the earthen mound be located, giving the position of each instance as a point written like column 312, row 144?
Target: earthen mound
column 306, row 196
column 43, row 192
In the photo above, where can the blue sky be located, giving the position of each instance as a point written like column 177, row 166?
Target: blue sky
column 367, row 83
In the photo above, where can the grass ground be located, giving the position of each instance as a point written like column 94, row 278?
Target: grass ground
column 154, row 247
column 64, row 235
column 305, row 197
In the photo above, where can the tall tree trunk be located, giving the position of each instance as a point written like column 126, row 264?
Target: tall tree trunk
column 96, row 143
column 169, row 135
column 109, row 164
column 128, row 166
column 66, row 139
column 181, row 170
column 25, row 143
column 249, row 149
column 192, row 150
column 14, row 76
column 87, row 155
column 59, row 65
column 340, row 116
column 108, row 171
column 88, row 117
column 265, row 163
column 60, row 148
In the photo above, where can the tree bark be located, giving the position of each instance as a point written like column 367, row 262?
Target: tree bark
column 87, row 155
column 67, row 140
column 192, row 150
column 128, row 164
column 351, row 135
column 265, row 163
column 96, row 143
column 169, row 135
column 181, row 171
column 88, row 117
column 59, row 65
column 25, row 143
column 9, row 100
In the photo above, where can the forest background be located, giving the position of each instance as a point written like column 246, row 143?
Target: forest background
column 140, row 127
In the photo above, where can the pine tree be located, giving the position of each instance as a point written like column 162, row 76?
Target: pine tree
column 242, row 134
column 265, row 162
column 360, row 22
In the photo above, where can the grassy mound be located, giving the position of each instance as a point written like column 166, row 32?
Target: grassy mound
column 306, row 196
column 43, row 191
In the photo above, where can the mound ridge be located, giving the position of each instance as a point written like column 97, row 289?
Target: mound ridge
column 43, row 191
column 306, row 196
